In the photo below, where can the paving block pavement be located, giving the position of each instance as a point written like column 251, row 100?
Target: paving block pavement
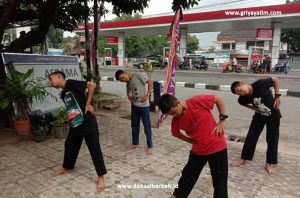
column 25, row 167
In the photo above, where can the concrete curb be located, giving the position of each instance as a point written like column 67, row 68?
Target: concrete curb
column 284, row 92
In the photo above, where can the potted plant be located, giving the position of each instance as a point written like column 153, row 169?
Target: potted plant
column 41, row 126
column 60, row 126
column 19, row 91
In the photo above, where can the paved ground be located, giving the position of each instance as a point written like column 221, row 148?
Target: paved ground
column 25, row 166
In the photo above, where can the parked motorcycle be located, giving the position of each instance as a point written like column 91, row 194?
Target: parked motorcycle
column 184, row 65
column 200, row 65
column 227, row 67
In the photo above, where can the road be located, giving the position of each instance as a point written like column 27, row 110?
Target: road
column 290, row 81
column 240, row 117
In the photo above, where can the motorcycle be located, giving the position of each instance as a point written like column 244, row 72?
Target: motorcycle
column 184, row 65
column 200, row 65
column 227, row 67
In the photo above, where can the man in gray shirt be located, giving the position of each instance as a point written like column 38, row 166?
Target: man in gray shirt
column 139, row 98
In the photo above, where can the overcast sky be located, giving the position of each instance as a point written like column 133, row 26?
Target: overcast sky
column 163, row 7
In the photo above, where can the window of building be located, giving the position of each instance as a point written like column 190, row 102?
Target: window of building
column 225, row 46
column 250, row 44
column 260, row 43
column 233, row 46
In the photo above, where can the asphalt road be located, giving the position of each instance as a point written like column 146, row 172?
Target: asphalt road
column 291, row 81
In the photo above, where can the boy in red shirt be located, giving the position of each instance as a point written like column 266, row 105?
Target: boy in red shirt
column 207, row 137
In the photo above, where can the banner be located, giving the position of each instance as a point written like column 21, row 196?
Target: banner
column 169, row 85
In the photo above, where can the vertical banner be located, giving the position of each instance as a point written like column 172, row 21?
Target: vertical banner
column 94, row 53
column 169, row 86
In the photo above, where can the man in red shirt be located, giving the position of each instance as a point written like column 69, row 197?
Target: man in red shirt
column 207, row 137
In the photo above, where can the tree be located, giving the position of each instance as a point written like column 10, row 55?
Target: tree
column 55, row 37
column 62, row 14
column 292, row 38
column 212, row 49
column 192, row 43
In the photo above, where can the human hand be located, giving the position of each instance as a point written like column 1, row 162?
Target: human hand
column 90, row 108
column 277, row 103
column 219, row 129
column 144, row 98
column 130, row 98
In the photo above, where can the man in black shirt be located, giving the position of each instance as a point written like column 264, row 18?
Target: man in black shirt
column 83, row 124
column 258, row 97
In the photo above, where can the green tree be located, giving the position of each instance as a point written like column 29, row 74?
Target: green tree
column 292, row 38
column 55, row 37
column 192, row 43
column 212, row 49
column 62, row 14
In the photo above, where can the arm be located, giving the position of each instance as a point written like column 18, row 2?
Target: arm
column 219, row 129
column 91, row 88
column 185, row 138
column 252, row 108
column 277, row 101
column 149, row 90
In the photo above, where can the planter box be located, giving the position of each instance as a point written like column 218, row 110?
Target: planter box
column 60, row 131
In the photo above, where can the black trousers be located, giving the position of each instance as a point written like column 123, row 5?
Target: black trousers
column 218, row 164
column 89, row 132
column 272, row 137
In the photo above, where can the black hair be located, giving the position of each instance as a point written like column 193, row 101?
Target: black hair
column 118, row 73
column 234, row 85
column 58, row 73
column 166, row 102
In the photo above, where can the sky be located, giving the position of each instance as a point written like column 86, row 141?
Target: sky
column 163, row 7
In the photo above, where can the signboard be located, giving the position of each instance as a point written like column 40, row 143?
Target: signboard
column 42, row 66
column 264, row 34
column 53, row 52
column 112, row 40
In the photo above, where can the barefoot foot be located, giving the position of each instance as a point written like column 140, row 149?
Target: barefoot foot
column 132, row 146
column 60, row 172
column 101, row 184
column 149, row 151
column 238, row 163
column 269, row 168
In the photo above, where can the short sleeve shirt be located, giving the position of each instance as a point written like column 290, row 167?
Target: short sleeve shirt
column 262, row 99
column 199, row 123
column 74, row 98
column 137, row 88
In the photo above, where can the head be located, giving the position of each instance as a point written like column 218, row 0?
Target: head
column 122, row 76
column 56, row 79
column 170, row 105
column 239, row 88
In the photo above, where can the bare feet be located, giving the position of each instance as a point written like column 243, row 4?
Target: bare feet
column 172, row 196
column 101, row 184
column 238, row 163
column 60, row 172
column 149, row 151
column 269, row 168
column 132, row 146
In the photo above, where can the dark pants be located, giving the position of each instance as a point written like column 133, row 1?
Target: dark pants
column 136, row 114
column 89, row 132
column 272, row 137
column 218, row 164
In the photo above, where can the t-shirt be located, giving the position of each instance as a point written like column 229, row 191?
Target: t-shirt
column 198, row 124
column 74, row 97
column 136, row 88
column 262, row 98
